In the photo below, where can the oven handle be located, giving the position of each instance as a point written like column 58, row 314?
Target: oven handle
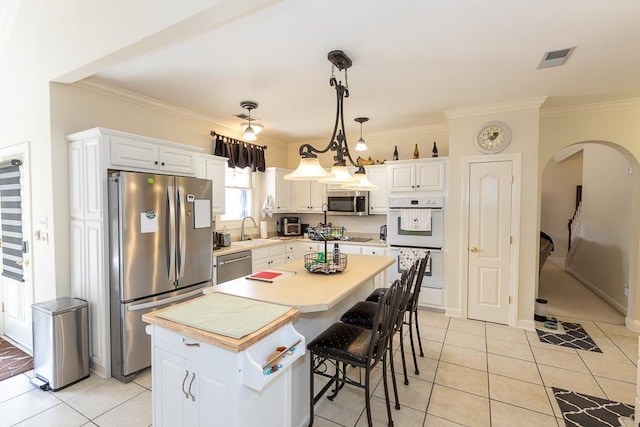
column 398, row 209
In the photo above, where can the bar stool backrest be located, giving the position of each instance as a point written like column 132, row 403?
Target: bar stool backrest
column 413, row 304
column 383, row 322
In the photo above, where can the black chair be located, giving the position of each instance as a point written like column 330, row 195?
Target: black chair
column 412, row 308
column 343, row 344
column 362, row 314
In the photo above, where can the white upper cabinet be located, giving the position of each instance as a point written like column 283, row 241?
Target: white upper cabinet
column 378, row 199
column 145, row 154
column 279, row 189
column 309, row 196
column 213, row 168
column 417, row 175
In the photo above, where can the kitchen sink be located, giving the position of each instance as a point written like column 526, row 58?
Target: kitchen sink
column 356, row 239
column 253, row 242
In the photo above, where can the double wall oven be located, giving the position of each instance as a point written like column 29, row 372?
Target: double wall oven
column 416, row 225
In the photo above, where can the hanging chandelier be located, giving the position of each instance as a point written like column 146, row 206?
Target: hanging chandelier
column 309, row 168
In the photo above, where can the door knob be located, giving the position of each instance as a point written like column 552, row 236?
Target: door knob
column 24, row 263
column 474, row 249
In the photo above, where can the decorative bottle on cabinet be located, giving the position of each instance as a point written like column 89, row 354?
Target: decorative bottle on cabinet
column 434, row 152
column 395, row 153
column 416, row 153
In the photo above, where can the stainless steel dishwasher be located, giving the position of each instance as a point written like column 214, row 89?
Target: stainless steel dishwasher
column 232, row 266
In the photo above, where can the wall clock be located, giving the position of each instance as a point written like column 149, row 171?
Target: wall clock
column 493, row 137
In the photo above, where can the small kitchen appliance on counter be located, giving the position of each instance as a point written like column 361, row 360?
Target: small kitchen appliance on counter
column 290, row 226
column 221, row 240
column 383, row 233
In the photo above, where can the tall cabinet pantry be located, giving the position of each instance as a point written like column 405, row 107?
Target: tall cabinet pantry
column 91, row 154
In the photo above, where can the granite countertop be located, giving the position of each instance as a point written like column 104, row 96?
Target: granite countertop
column 309, row 292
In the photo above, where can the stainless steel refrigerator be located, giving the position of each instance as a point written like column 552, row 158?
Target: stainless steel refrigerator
column 160, row 254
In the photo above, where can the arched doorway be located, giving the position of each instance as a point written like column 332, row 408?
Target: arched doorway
column 604, row 254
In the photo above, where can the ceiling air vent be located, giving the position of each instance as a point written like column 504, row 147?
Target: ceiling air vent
column 555, row 57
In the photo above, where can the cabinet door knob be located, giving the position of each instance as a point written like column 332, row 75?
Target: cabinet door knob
column 155, row 163
column 416, row 185
column 413, row 186
column 162, row 163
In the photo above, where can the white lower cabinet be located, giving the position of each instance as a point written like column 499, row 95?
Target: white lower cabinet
column 266, row 258
column 189, row 393
column 293, row 252
column 380, row 281
column 200, row 384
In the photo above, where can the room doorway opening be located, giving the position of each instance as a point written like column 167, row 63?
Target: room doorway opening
column 603, row 239
column 16, row 284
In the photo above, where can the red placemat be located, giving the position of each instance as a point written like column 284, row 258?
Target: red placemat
column 265, row 275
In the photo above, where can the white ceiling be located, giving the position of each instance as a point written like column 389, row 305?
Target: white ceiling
column 412, row 60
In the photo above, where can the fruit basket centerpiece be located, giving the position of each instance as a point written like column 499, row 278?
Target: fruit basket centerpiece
column 326, row 262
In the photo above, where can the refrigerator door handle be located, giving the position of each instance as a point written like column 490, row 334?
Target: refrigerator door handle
column 182, row 238
column 165, row 301
column 171, row 250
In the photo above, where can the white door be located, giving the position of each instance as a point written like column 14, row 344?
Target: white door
column 489, row 240
column 17, row 294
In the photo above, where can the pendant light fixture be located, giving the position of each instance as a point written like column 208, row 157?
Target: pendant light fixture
column 309, row 168
column 361, row 145
column 249, row 132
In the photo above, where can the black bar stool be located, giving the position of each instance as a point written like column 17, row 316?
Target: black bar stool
column 342, row 344
column 362, row 314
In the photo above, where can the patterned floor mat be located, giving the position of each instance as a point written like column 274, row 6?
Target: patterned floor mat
column 13, row 361
column 575, row 337
column 588, row 411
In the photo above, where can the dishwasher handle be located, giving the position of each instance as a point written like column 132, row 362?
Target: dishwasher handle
column 231, row 261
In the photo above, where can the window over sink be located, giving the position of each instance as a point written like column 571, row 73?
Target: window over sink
column 238, row 193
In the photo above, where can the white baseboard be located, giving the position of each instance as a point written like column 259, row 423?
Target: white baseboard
column 528, row 325
column 558, row 260
column 452, row 312
column 597, row 291
column 632, row 324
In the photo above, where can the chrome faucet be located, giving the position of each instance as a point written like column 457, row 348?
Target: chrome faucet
column 242, row 236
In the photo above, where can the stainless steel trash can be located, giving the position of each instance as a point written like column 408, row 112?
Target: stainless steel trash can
column 60, row 342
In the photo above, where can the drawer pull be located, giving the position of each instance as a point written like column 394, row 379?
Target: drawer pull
column 190, row 344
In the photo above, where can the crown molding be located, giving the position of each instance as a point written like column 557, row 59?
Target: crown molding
column 596, row 107
column 495, row 108
column 154, row 104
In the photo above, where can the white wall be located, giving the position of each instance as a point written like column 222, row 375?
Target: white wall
column 558, row 202
column 523, row 119
column 601, row 258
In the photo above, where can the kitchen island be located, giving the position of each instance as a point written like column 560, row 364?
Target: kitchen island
column 320, row 300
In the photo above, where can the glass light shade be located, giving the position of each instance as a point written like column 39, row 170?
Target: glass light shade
column 340, row 175
column 362, row 183
column 308, row 169
column 257, row 127
column 361, row 145
column 249, row 134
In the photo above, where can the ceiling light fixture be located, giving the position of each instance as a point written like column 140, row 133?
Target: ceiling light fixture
column 309, row 168
column 249, row 132
column 361, row 145
column 257, row 127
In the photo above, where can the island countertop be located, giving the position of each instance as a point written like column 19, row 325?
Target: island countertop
column 309, row 292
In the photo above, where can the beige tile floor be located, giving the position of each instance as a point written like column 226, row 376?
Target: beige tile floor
column 473, row 374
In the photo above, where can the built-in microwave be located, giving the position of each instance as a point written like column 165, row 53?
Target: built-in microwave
column 348, row 202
